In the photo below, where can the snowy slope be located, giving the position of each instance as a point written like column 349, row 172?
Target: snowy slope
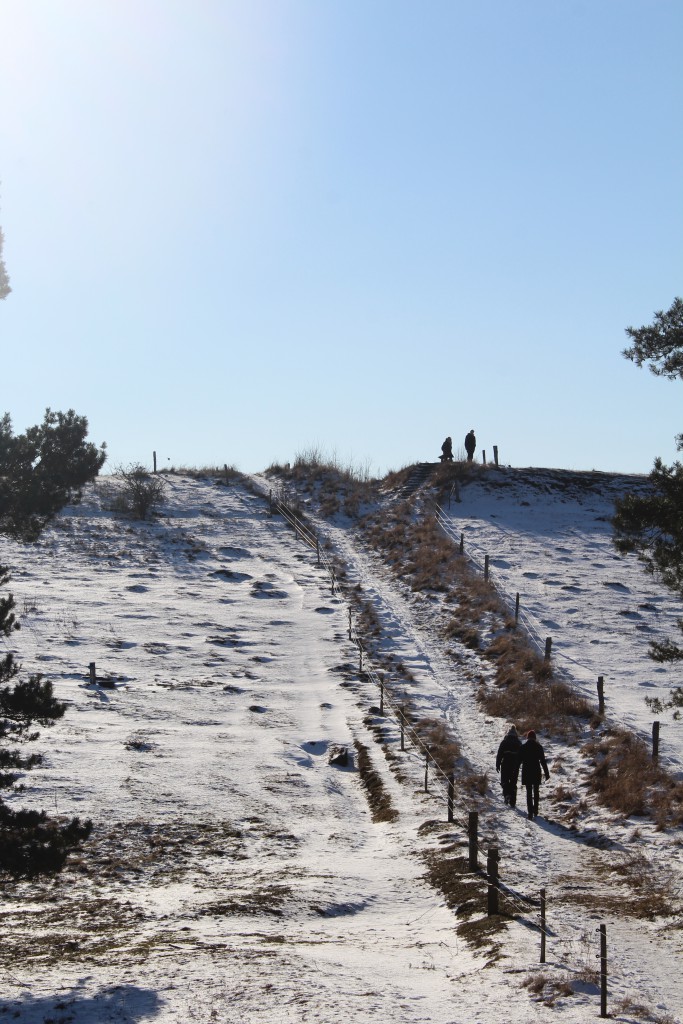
column 235, row 874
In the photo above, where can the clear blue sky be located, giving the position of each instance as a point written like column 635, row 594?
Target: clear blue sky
column 236, row 231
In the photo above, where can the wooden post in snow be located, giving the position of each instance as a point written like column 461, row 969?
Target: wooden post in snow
column 93, row 673
column 517, row 608
column 655, row 741
column 462, row 543
column 548, row 648
column 473, row 838
column 603, row 970
column 492, row 874
column 451, row 794
column 601, row 695
column 543, row 932
column 154, row 460
column 495, row 454
column 427, row 771
column 486, row 568
column 381, row 695
column 402, row 716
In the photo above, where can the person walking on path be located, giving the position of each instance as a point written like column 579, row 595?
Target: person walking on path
column 447, row 451
column 507, row 763
column 534, row 765
column 470, row 445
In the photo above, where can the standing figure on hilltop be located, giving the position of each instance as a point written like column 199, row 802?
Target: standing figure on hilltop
column 446, row 451
column 507, row 763
column 470, row 445
column 533, row 763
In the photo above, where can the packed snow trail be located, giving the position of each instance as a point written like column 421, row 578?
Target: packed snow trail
column 567, row 862
column 234, row 873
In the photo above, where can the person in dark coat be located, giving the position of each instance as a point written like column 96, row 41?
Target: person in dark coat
column 532, row 760
column 447, row 451
column 470, row 445
column 507, row 763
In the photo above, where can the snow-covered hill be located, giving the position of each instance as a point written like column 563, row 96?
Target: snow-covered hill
column 234, row 873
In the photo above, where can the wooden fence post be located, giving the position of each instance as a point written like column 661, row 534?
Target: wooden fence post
column 603, row 970
column 381, row 695
column 360, row 660
column 317, row 548
column 225, row 470
column 473, row 837
column 492, row 874
column 402, row 720
column 154, row 460
column 462, row 543
column 495, row 454
column 543, row 926
column 548, row 647
column 332, row 571
column 486, row 568
column 517, row 609
column 655, row 741
column 427, row 770
column 93, row 673
column 601, row 695
column 483, row 456
column 349, row 623
column 451, row 794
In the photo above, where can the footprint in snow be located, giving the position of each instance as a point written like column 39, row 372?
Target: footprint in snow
column 231, row 576
column 267, row 590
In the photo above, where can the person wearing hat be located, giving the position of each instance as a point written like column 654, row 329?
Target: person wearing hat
column 533, row 762
column 470, row 445
column 507, row 763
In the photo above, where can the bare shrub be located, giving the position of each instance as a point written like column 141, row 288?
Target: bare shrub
column 143, row 492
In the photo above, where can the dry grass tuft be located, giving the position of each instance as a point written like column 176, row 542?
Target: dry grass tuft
column 378, row 798
column 524, row 690
column 548, row 989
column 624, row 778
column 435, row 735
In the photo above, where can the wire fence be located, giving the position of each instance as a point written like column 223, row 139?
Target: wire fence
column 543, row 644
column 577, row 950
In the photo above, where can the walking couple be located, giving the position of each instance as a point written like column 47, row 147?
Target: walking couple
column 513, row 754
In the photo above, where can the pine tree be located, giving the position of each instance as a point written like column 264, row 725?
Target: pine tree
column 652, row 524
column 31, row 843
column 43, row 470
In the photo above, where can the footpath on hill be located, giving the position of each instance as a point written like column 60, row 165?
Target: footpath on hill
column 233, row 873
column 595, row 872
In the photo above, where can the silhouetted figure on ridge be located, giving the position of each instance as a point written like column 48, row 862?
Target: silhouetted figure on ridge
column 446, row 451
column 470, row 445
